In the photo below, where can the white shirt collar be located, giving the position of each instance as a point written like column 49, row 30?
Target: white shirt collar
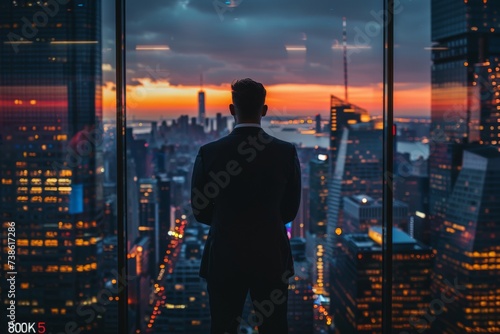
column 241, row 125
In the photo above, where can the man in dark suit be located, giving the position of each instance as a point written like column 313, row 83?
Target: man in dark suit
column 247, row 186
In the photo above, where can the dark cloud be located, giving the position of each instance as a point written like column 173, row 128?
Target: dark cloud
column 412, row 36
column 249, row 38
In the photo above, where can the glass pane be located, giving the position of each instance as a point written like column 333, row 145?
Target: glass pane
column 354, row 228
column 181, row 58
column 413, row 257
column 56, row 202
column 446, row 109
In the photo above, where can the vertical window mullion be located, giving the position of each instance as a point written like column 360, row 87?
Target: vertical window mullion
column 121, row 155
column 388, row 166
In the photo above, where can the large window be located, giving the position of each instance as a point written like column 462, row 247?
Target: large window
column 394, row 111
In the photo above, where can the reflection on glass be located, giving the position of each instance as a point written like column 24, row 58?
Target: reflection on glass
column 51, row 166
column 464, row 160
column 448, row 178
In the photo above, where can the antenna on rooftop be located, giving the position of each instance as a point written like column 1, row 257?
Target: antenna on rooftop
column 344, row 43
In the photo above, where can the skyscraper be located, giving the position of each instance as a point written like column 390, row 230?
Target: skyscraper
column 300, row 294
column 362, row 212
column 462, row 202
column 187, row 308
column 149, row 220
column 300, row 223
column 51, row 167
column 318, row 184
column 356, row 298
column 139, row 287
column 342, row 114
column 165, row 222
column 201, row 106
column 464, row 109
column 358, row 170
column 319, row 128
column 316, row 235
column 467, row 268
column 221, row 124
column 412, row 188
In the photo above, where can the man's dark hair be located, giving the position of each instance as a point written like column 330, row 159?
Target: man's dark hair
column 248, row 96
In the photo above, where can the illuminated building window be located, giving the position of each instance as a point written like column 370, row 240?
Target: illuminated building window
column 22, row 198
column 52, row 268
column 36, row 243
column 64, row 181
column 36, row 181
column 66, row 269
column 51, row 182
column 61, row 137
column 65, row 226
column 22, row 242
column 37, row 269
column 50, row 199
column 36, row 190
column 6, row 181
column 51, row 243
column 65, row 173
column 36, row 199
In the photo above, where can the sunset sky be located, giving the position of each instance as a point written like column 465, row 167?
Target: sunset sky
column 293, row 47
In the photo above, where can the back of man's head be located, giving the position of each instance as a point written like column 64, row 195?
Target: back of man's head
column 248, row 96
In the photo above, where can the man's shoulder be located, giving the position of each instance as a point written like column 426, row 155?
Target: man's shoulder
column 262, row 137
column 282, row 142
column 214, row 144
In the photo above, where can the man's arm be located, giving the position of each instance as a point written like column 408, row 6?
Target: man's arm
column 291, row 200
column 202, row 206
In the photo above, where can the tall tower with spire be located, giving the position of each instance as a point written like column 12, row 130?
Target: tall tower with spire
column 201, row 103
column 344, row 47
column 343, row 116
column 343, row 113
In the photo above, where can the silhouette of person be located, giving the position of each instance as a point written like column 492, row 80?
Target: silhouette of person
column 247, row 186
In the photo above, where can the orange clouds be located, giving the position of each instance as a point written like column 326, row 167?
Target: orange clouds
column 155, row 100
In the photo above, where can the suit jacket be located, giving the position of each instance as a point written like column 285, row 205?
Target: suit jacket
column 246, row 186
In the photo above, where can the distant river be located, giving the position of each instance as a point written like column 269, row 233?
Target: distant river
column 294, row 135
